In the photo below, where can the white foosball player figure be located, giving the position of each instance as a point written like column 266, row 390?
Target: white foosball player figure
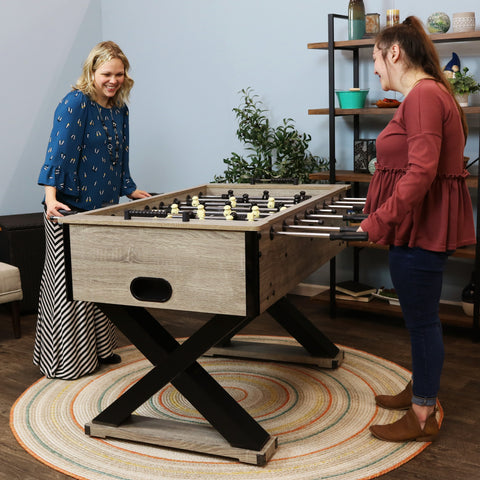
column 200, row 212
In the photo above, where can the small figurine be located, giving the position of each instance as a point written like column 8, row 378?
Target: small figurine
column 452, row 66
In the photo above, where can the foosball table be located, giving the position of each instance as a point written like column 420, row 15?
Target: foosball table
column 233, row 251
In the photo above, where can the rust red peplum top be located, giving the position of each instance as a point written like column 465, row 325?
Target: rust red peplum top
column 418, row 195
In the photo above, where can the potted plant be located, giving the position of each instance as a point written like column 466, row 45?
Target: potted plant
column 275, row 153
column 463, row 85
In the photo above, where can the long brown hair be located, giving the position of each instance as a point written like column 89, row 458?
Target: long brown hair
column 420, row 53
column 101, row 53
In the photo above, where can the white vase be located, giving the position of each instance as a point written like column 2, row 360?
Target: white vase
column 462, row 99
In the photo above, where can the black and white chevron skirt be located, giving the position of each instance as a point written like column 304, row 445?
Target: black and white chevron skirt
column 70, row 336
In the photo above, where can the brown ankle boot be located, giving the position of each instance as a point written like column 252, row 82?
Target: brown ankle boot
column 407, row 429
column 401, row 401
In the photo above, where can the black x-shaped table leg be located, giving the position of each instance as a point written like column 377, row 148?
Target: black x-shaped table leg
column 318, row 349
column 176, row 363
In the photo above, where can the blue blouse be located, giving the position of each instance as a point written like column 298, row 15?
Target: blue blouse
column 86, row 160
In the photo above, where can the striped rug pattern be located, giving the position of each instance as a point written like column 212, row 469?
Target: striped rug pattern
column 321, row 419
column 70, row 336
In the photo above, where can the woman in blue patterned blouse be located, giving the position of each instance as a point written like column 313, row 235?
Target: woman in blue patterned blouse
column 86, row 167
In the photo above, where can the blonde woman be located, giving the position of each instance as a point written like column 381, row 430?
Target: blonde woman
column 86, row 167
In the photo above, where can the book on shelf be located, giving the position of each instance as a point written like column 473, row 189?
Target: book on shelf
column 360, row 298
column 355, row 289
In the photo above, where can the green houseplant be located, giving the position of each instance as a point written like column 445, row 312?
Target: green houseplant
column 273, row 153
column 463, row 85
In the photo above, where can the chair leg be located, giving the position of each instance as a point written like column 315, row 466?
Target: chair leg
column 15, row 306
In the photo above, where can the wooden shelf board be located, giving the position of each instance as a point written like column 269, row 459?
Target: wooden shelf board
column 449, row 314
column 370, row 42
column 463, row 252
column 342, row 112
column 342, row 176
column 349, row 176
column 353, row 111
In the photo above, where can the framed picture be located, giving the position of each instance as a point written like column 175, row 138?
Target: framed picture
column 363, row 151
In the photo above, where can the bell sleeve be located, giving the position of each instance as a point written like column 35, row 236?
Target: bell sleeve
column 65, row 145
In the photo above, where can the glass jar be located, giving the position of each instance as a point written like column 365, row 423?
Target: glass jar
column 372, row 24
column 356, row 19
column 393, row 17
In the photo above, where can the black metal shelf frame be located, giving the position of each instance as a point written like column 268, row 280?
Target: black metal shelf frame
column 354, row 48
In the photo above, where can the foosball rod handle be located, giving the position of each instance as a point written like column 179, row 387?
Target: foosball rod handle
column 67, row 212
column 355, row 217
column 350, row 236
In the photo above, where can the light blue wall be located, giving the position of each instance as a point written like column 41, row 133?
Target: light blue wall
column 42, row 48
column 189, row 60
column 191, row 57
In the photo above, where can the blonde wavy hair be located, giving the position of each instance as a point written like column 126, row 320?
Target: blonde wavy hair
column 101, row 53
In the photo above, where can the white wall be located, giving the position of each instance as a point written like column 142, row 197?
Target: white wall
column 189, row 58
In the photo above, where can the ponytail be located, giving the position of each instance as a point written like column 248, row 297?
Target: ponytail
column 420, row 53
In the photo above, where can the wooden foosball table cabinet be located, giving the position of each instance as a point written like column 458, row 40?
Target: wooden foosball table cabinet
column 129, row 258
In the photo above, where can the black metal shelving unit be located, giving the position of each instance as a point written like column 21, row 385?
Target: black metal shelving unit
column 355, row 46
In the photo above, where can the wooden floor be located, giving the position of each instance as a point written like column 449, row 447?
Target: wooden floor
column 455, row 455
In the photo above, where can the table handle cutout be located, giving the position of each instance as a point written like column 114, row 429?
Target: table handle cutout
column 151, row 289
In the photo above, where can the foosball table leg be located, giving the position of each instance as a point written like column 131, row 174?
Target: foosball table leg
column 176, row 363
column 302, row 329
column 314, row 349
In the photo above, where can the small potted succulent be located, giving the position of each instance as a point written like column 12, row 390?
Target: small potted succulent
column 463, row 85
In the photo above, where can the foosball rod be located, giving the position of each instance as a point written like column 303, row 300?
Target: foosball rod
column 218, row 208
column 221, row 204
column 129, row 214
column 358, row 217
column 240, row 199
column 343, row 206
column 345, row 236
column 335, row 204
column 238, row 205
column 352, row 199
column 320, row 228
column 207, row 208
column 219, row 212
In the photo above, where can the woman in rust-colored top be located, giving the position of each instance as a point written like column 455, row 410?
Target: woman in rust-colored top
column 418, row 204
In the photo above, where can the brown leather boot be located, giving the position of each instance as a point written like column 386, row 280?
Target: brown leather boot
column 401, row 401
column 407, row 429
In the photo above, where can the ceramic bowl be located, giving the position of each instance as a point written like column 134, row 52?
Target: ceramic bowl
column 353, row 98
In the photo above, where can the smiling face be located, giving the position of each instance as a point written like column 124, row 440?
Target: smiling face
column 107, row 80
column 380, row 68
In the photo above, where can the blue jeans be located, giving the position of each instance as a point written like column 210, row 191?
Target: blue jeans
column 417, row 276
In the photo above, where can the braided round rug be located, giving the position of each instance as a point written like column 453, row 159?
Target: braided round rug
column 320, row 416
